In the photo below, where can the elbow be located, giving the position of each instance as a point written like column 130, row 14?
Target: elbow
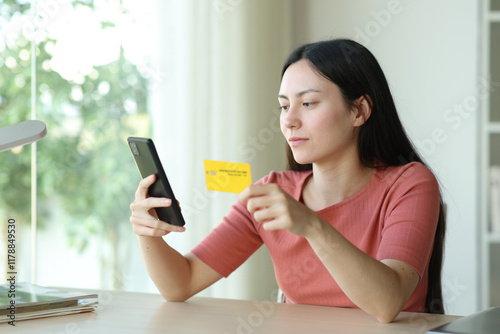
column 386, row 318
column 176, row 296
column 174, row 299
column 387, row 315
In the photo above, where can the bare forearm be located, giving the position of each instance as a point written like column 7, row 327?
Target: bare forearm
column 370, row 284
column 177, row 277
column 169, row 270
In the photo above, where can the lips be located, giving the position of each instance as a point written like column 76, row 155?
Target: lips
column 297, row 141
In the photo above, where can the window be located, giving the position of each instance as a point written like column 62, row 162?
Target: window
column 89, row 84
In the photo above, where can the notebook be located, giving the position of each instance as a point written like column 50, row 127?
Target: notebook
column 484, row 322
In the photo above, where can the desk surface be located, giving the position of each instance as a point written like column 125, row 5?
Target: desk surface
column 128, row 312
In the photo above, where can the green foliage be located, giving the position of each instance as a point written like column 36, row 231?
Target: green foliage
column 84, row 163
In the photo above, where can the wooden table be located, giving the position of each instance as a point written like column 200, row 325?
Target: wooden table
column 128, row 312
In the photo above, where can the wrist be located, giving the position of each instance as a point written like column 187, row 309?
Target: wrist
column 323, row 238
column 317, row 227
column 148, row 240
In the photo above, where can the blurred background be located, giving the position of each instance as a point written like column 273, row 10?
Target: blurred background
column 201, row 78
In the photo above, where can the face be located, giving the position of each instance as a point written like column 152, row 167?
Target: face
column 316, row 122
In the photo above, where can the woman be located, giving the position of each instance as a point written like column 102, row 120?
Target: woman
column 357, row 221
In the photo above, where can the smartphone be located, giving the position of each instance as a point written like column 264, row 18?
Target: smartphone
column 147, row 161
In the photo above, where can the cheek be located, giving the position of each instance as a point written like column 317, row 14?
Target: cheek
column 325, row 123
column 282, row 124
column 336, row 126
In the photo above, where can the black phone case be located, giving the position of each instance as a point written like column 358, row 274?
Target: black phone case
column 148, row 162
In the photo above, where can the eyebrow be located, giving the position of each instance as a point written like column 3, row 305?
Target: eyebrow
column 299, row 94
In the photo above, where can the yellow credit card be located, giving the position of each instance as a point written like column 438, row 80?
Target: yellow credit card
column 225, row 176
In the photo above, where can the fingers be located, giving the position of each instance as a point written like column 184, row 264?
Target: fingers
column 257, row 197
column 254, row 190
column 145, row 222
column 142, row 190
column 265, row 215
column 276, row 209
column 149, row 226
column 257, row 190
column 143, row 218
column 266, row 203
column 147, row 204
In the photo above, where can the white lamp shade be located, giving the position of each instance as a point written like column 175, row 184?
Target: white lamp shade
column 21, row 134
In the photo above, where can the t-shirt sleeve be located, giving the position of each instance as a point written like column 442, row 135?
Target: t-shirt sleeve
column 233, row 241
column 411, row 221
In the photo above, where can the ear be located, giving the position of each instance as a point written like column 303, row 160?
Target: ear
column 362, row 110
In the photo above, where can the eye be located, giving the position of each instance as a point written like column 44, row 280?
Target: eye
column 284, row 108
column 308, row 104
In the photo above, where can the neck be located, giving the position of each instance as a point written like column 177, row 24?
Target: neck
column 333, row 183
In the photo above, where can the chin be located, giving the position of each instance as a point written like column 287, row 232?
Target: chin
column 302, row 160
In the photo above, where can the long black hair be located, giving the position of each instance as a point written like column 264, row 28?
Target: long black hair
column 382, row 140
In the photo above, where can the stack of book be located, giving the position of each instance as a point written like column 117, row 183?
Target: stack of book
column 28, row 301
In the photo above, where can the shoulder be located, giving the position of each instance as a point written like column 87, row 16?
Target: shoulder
column 411, row 173
column 413, row 181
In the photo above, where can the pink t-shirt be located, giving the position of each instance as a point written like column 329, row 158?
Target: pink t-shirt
column 393, row 217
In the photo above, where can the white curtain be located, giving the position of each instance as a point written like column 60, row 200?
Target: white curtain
column 215, row 79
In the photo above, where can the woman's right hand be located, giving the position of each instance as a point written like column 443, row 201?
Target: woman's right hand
column 144, row 220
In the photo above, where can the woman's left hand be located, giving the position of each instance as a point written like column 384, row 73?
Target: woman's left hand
column 277, row 210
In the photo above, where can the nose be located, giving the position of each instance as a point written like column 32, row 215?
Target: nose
column 290, row 118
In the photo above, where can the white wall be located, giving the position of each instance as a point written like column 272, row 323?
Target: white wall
column 429, row 53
